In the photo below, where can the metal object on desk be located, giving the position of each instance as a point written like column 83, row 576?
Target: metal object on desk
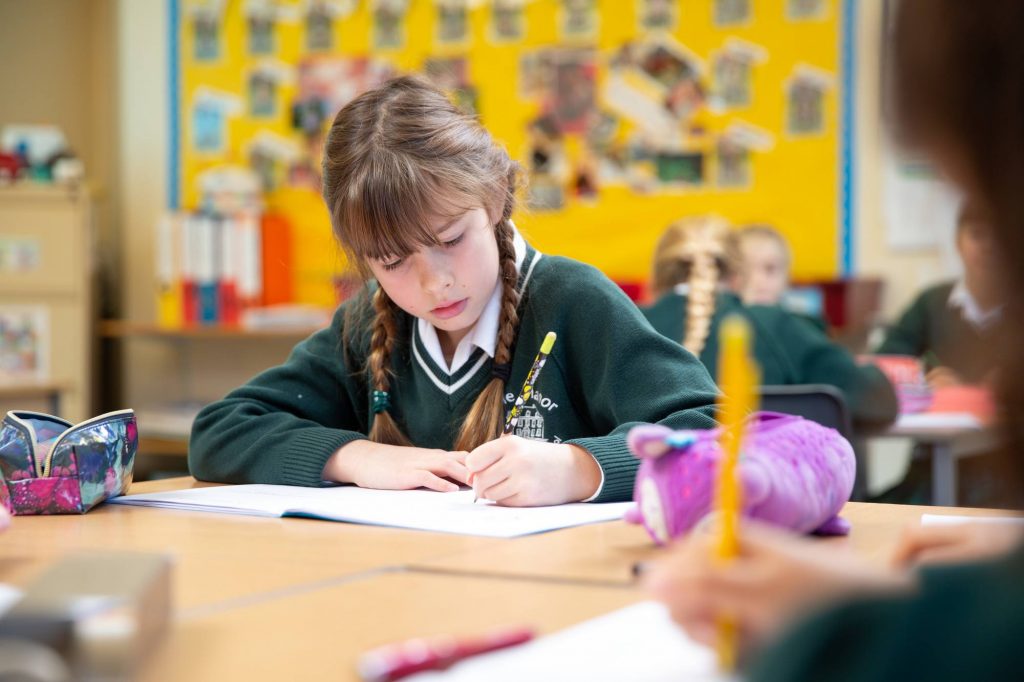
column 101, row 613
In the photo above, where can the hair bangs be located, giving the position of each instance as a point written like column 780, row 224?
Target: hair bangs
column 391, row 209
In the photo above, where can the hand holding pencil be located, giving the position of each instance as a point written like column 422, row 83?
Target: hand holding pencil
column 524, row 472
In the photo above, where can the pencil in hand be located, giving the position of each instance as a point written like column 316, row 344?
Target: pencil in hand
column 738, row 383
column 527, row 391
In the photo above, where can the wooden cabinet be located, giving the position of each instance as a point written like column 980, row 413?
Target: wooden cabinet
column 47, row 300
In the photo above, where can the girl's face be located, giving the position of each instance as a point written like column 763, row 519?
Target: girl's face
column 764, row 275
column 446, row 285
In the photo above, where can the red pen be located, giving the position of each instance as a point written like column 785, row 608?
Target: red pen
column 401, row 659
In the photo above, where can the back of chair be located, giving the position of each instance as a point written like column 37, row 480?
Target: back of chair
column 820, row 403
column 825, row 405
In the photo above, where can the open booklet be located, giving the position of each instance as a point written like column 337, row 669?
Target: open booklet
column 416, row 509
column 638, row 643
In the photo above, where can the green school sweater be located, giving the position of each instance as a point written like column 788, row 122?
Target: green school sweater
column 930, row 325
column 965, row 623
column 789, row 351
column 608, row 371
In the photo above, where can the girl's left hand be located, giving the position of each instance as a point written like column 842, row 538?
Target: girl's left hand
column 519, row 472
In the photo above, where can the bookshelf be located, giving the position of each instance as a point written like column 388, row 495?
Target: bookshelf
column 192, row 351
column 47, row 299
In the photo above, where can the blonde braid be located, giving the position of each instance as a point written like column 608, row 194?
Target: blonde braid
column 384, row 428
column 486, row 418
column 699, row 252
column 700, row 302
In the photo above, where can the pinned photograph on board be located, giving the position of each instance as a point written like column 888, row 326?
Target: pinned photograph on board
column 264, row 85
column 508, row 22
column 319, row 27
column 731, row 12
column 452, row 21
column 679, row 168
column 262, row 95
column 799, row 10
column 451, row 74
column 259, row 21
column 657, row 15
column 666, row 65
column 205, row 35
column 272, row 158
column 208, row 128
column 733, row 164
column 734, row 150
column 24, row 343
column 732, row 73
column 574, row 96
column 210, row 112
column 805, row 101
column 578, row 18
column 388, row 23
column 656, row 86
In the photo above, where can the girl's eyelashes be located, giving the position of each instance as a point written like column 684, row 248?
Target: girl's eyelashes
column 393, row 265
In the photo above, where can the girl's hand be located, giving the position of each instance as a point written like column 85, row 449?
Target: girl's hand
column 5, row 517
column 955, row 543
column 394, row 467
column 519, row 472
column 776, row 579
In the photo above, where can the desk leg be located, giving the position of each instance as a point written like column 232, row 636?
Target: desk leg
column 943, row 475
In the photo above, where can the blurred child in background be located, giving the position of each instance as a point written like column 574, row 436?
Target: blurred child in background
column 693, row 261
column 952, row 326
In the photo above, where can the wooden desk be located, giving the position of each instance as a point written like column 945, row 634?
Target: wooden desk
column 605, row 553
column 270, row 599
column 318, row 635
column 222, row 560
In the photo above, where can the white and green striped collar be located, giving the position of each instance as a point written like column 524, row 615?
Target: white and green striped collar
column 479, row 344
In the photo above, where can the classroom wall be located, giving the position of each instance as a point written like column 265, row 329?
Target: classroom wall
column 141, row 76
column 905, row 272
column 58, row 66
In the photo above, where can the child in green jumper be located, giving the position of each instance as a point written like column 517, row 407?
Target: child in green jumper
column 692, row 260
column 409, row 385
column 950, row 325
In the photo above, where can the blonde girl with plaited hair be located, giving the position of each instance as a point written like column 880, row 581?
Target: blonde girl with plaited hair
column 695, row 261
column 410, row 385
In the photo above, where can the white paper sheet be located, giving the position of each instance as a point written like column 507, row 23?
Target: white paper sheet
column 416, row 509
column 938, row 420
column 944, row 520
column 639, row 643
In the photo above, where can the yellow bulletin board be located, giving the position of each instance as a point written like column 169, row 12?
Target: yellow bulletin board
column 627, row 114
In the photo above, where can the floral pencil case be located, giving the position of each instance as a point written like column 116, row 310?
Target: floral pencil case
column 51, row 466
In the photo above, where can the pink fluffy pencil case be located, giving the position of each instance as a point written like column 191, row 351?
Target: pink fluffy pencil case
column 794, row 473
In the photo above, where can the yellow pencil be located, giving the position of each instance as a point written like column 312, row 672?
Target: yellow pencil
column 526, row 392
column 738, row 383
